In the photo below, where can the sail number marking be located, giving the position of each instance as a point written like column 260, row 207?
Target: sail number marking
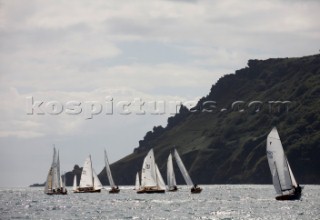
column 270, row 154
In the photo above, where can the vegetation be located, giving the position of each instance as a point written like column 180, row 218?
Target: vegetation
column 229, row 146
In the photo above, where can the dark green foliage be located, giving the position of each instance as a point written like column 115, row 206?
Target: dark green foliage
column 229, row 146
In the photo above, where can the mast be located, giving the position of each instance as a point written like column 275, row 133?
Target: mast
column 58, row 170
column 91, row 171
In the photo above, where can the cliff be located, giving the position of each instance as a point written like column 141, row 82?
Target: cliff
column 222, row 139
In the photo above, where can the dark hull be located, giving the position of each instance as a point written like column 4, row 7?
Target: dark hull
column 196, row 190
column 151, row 191
column 87, row 191
column 114, row 191
column 57, row 193
column 295, row 196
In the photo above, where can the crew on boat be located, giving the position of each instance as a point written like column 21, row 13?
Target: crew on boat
column 297, row 189
column 194, row 188
column 115, row 189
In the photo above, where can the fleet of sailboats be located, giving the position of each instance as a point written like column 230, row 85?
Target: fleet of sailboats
column 54, row 184
column 151, row 179
column 89, row 181
column 283, row 179
column 114, row 188
column 285, row 184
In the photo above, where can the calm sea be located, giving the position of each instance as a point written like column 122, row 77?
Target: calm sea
column 215, row 202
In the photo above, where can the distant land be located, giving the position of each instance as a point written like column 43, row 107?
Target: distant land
column 227, row 145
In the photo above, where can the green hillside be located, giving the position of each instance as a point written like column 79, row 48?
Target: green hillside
column 228, row 146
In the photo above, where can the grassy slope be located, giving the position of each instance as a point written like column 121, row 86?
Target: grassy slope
column 229, row 146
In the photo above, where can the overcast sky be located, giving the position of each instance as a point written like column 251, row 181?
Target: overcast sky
column 158, row 50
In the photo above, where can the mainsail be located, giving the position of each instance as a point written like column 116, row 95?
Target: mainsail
column 87, row 174
column 282, row 176
column 48, row 186
column 183, row 169
column 171, row 179
column 150, row 176
column 108, row 170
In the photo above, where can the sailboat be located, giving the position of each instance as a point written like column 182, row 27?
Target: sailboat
column 185, row 174
column 171, row 178
column 137, row 185
column 283, row 179
column 54, row 184
column 89, row 181
column 114, row 188
column 151, row 179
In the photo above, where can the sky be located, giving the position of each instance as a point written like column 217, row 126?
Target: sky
column 86, row 61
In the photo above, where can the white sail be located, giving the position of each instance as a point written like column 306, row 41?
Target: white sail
column 55, row 176
column 63, row 183
column 137, row 185
column 54, row 181
column 183, row 169
column 280, row 170
column 96, row 182
column 59, row 182
column 108, row 170
column 48, row 185
column 86, row 179
column 51, row 182
column 171, row 179
column 275, row 178
column 148, row 175
column 74, row 188
column 294, row 182
column 159, row 179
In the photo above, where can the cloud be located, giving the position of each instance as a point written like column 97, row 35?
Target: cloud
column 155, row 50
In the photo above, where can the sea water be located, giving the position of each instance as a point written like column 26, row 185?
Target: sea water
column 215, row 202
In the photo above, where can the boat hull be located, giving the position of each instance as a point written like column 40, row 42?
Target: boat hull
column 57, row 193
column 150, row 191
column 295, row 196
column 114, row 191
column 196, row 190
column 87, row 190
